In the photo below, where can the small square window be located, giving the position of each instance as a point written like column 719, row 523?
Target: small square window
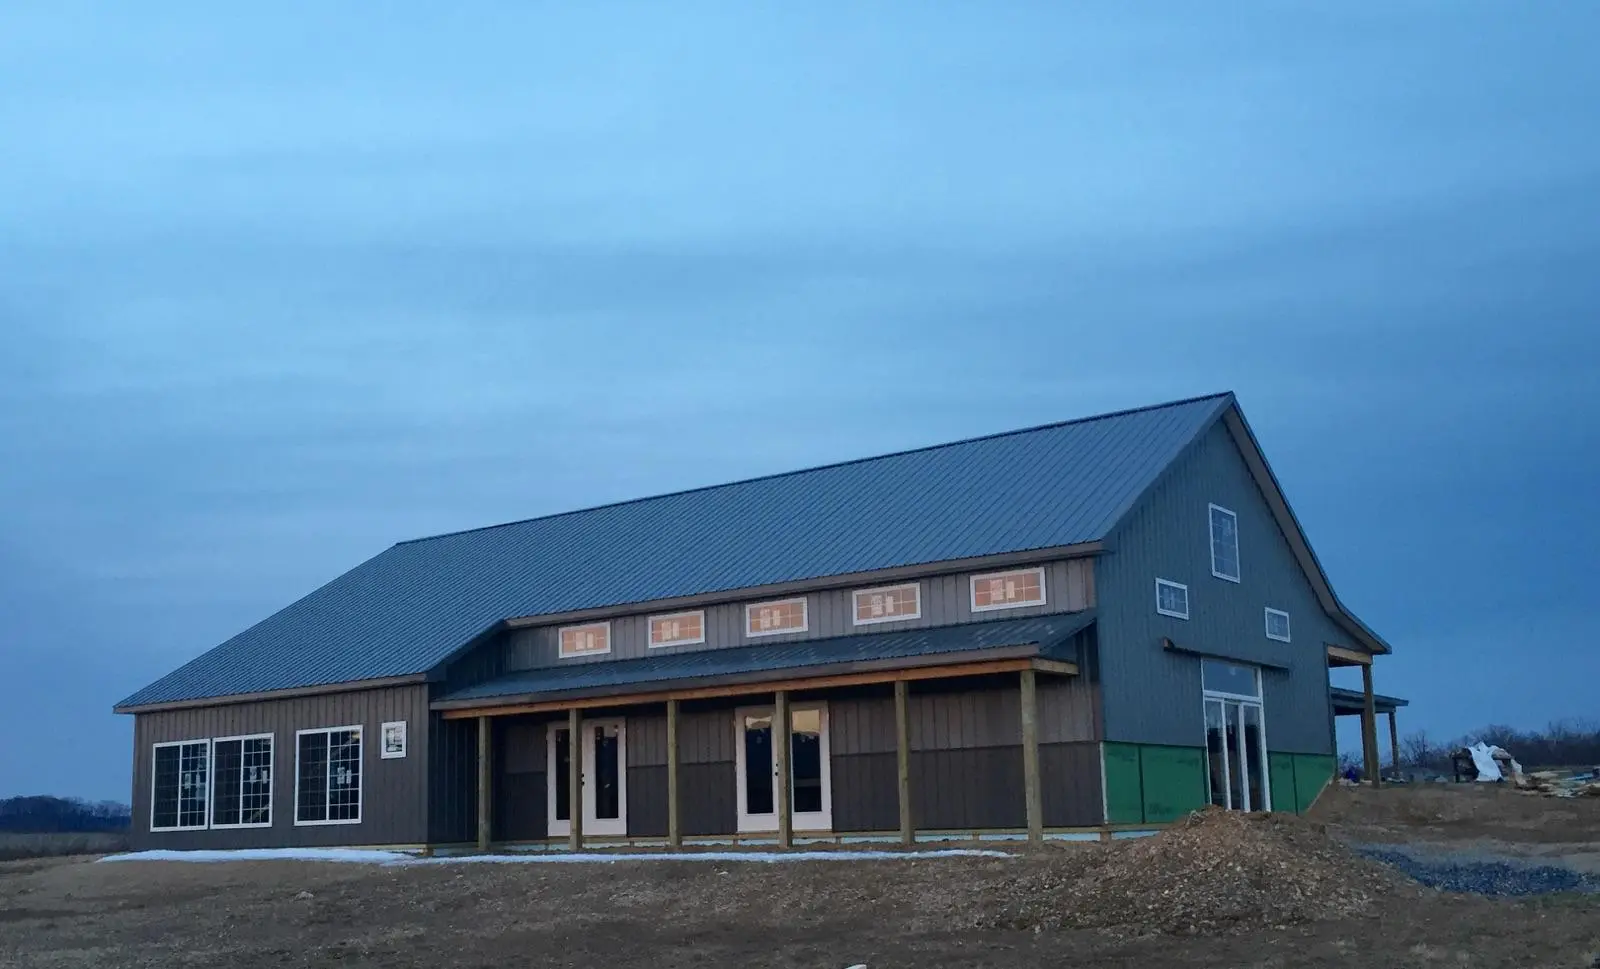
column 1277, row 625
column 1172, row 599
column 1224, row 544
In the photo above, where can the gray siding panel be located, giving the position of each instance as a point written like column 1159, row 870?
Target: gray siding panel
column 394, row 796
column 1069, row 785
column 1069, row 587
column 647, row 801
column 866, row 792
column 967, row 789
column 453, row 780
column 521, row 812
column 709, row 799
column 1151, row 695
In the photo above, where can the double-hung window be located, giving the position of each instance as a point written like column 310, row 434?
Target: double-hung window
column 1277, row 625
column 1172, row 599
column 327, row 781
column 241, row 790
column 1224, row 544
column 181, row 783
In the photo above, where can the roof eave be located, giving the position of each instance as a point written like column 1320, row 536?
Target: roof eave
column 352, row 686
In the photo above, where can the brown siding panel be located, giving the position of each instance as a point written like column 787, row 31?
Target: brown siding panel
column 1069, row 775
column 520, row 807
column 865, row 792
column 709, row 805
column 647, row 801
column 394, row 796
column 964, row 790
column 453, row 786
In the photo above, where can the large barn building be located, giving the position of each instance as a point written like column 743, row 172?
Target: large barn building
column 1067, row 632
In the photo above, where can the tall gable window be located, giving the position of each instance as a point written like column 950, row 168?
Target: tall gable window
column 888, row 605
column 678, row 629
column 1277, row 625
column 178, row 790
column 327, row 778
column 1008, row 590
column 1224, row 544
column 241, row 792
column 592, row 639
column 773, row 618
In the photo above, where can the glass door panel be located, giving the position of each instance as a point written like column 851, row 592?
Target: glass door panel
column 1254, row 769
column 1236, row 786
column 1216, row 753
column 604, row 778
column 809, row 775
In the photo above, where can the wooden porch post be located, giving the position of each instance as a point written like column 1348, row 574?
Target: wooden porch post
column 485, row 782
column 1369, row 727
column 902, row 747
column 575, row 779
column 780, row 748
column 674, row 829
column 1030, row 756
column 1394, row 743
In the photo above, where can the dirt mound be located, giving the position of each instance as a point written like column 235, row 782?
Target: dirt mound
column 1214, row 872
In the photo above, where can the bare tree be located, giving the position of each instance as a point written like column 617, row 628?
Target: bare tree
column 1417, row 749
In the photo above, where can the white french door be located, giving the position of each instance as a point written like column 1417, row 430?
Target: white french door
column 604, row 749
column 1236, row 754
column 810, row 781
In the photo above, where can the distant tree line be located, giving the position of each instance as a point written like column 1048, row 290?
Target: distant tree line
column 45, row 814
column 1564, row 743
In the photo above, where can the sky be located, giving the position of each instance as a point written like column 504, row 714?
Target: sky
column 282, row 285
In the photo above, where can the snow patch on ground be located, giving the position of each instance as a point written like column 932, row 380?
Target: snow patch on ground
column 401, row 858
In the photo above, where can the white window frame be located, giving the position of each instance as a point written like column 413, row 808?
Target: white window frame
column 206, row 742
column 272, row 780
column 855, row 603
column 560, row 631
column 1168, row 583
column 972, row 590
column 1211, row 542
column 1288, row 635
column 650, row 622
column 361, row 779
column 805, row 618
column 383, row 740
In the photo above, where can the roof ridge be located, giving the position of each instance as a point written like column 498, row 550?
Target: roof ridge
column 825, row 467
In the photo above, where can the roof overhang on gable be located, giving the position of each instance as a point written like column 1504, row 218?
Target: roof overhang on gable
column 1360, row 633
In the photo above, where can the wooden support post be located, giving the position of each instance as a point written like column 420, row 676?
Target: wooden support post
column 780, row 750
column 1369, row 728
column 1394, row 744
column 485, row 781
column 674, row 824
column 902, row 748
column 575, row 779
column 1030, row 756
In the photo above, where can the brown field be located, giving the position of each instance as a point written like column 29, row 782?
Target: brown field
column 14, row 846
column 1181, row 901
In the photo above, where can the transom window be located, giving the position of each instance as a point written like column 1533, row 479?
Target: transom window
column 678, row 629
column 180, row 786
column 1277, row 625
column 1008, row 590
column 771, row 618
column 1229, row 678
column 587, row 640
column 241, row 794
column 328, row 776
column 1224, row 544
column 1172, row 599
column 888, row 604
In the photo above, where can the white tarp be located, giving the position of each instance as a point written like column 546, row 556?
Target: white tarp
column 1483, row 758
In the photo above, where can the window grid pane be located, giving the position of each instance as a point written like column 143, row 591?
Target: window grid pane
column 255, row 783
column 225, row 793
column 192, row 776
column 344, row 775
column 164, row 797
column 311, row 804
column 1224, row 543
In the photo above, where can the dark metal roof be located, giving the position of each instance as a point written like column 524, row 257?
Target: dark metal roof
column 1346, row 702
column 1053, row 635
column 413, row 606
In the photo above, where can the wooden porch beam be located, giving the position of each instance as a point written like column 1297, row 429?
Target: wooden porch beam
column 780, row 749
column 485, row 782
column 1030, row 756
column 902, row 749
column 575, row 779
column 771, row 686
column 674, row 822
column 1349, row 657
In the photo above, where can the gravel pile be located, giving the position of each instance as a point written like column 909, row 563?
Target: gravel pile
column 1215, row 872
column 1497, row 878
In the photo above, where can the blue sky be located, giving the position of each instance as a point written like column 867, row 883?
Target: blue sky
column 279, row 288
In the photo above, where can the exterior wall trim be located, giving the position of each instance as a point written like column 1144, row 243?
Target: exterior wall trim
column 321, row 689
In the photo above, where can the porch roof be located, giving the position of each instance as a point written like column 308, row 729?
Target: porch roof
column 1351, row 702
column 1042, row 637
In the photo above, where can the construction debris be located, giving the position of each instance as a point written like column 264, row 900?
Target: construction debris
column 1552, row 783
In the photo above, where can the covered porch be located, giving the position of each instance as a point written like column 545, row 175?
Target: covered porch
column 841, row 739
column 1368, row 705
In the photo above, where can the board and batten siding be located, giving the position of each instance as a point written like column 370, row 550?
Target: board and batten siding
column 1151, row 695
column 946, row 600
column 394, row 792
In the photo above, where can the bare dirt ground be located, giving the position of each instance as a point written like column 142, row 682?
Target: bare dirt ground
column 1190, row 898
